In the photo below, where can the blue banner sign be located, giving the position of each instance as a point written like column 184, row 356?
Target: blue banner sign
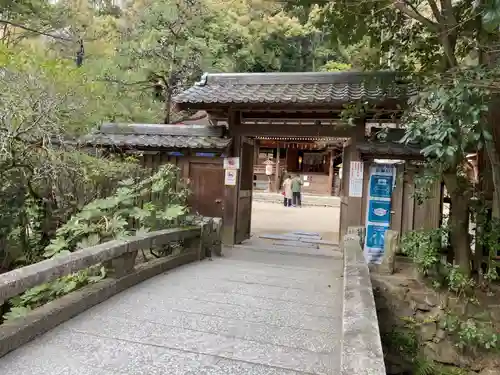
column 378, row 215
column 175, row 153
column 206, row 154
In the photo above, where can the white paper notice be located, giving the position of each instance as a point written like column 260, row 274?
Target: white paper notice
column 356, row 179
column 230, row 177
column 232, row 163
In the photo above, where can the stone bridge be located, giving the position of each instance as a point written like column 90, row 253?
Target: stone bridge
column 258, row 309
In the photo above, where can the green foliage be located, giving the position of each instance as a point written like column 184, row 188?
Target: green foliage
column 491, row 15
column 67, row 181
column 472, row 334
column 106, row 219
column 458, row 282
column 404, row 342
column 109, row 218
column 45, row 102
column 334, row 66
column 44, row 293
column 447, row 116
column 165, row 44
column 425, row 367
column 424, row 247
column 425, row 182
column 490, row 239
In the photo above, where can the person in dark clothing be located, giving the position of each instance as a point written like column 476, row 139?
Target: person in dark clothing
column 297, row 191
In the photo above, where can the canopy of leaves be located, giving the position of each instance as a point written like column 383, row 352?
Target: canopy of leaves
column 132, row 61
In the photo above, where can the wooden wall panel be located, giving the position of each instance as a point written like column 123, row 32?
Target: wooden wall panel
column 433, row 207
column 397, row 200
column 207, row 187
column 419, row 215
column 408, row 202
column 244, row 216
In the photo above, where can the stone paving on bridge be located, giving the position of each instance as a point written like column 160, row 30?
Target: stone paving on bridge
column 259, row 310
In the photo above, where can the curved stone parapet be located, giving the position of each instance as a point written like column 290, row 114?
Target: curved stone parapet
column 361, row 345
column 200, row 240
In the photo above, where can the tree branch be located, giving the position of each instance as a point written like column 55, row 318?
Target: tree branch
column 5, row 22
column 44, row 33
column 435, row 10
column 411, row 12
column 447, row 9
column 123, row 83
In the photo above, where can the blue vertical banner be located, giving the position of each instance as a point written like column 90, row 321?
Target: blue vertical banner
column 378, row 210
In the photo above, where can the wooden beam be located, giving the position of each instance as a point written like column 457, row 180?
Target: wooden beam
column 264, row 130
column 371, row 156
column 283, row 116
column 256, row 151
column 310, row 116
column 396, row 106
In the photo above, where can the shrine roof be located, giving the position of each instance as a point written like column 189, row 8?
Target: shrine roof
column 157, row 136
column 306, row 89
column 388, row 143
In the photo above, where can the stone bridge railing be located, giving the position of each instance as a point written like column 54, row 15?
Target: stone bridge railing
column 119, row 256
column 361, row 344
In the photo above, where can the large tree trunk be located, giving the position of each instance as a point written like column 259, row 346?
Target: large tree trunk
column 168, row 107
column 489, row 56
column 459, row 222
column 492, row 150
column 459, row 233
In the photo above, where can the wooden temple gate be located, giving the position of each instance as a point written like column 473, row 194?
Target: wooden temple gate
column 293, row 105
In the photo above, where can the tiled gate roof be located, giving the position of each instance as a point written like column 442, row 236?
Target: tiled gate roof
column 157, row 136
column 296, row 88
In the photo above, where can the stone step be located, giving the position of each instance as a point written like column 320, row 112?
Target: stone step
column 306, row 234
column 297, row 239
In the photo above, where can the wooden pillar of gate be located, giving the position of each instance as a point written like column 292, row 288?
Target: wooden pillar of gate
column 231, row 193
column 351, row 208
column 256, row 152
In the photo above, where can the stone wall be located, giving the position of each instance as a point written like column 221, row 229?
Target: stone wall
column 405, row 304
column 361, row 346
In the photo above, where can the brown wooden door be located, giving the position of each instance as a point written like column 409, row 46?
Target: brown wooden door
column 244, row 212
column 207, row 186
